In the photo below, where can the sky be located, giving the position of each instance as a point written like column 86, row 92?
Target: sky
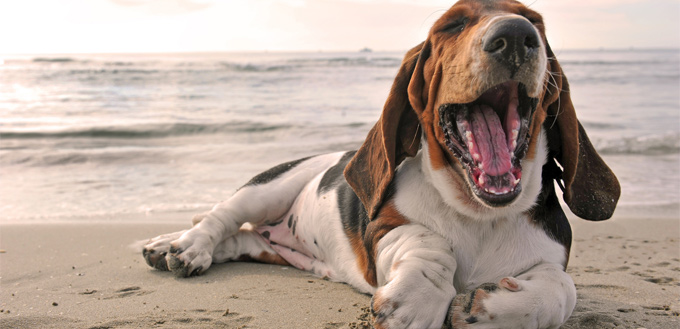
column 142, row 26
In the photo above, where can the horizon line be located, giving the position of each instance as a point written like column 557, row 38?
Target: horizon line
column 302, row 51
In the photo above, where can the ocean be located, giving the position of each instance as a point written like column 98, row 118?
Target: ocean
column 112, row 136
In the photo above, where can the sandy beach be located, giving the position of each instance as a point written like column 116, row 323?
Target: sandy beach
column 86, row 275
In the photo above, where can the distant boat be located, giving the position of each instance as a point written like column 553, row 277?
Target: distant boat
column 366, row 50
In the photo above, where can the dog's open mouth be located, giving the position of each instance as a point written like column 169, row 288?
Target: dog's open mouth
column 490, row 136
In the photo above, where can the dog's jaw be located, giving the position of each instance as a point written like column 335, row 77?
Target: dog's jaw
column 452, row 185
column 488, row 138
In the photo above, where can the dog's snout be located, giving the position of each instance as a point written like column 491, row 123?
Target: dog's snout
column 511, row 42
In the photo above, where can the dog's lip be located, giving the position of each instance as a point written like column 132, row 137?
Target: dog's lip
column 490, row 148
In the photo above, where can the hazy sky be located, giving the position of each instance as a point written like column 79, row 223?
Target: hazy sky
column 77, row 26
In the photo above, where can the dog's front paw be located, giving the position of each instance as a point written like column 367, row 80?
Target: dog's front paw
column 409, row 308
column 471, row 310
column 185, row 253
column 156, row 250
column 189, row 255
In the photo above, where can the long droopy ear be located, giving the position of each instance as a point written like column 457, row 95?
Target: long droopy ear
column 591, row 189
column 393, row 138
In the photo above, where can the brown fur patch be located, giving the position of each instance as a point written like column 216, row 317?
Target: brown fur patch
column 357, row 243
column 477, row 307
column 265, row 257
column 388, row 218
column 365, row 247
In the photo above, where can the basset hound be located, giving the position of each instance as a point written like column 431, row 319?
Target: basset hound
column 447, row 214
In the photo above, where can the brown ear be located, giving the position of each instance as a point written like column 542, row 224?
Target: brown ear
column 393, row 138
column 591, row 189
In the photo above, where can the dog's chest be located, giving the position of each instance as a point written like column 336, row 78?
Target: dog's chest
column 489, row 251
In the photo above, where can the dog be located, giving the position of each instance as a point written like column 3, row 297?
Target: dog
column 447, row 214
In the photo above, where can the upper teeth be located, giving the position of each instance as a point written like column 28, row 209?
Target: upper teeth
column 513, row 144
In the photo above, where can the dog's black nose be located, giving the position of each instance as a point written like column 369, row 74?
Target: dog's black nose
column 511, row 42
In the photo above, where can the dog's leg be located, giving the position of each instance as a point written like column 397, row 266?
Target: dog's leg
column 244, row 245
column 542, row 297
column 263, row 200
column 415, row 270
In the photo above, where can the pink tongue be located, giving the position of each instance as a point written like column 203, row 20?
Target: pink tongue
column 491, row 141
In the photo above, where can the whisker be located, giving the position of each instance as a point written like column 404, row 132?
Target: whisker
column 430, row 15
column 531, row 4
column 551, row 75
column 415, row 138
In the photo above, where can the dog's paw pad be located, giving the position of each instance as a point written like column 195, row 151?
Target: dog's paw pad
column 155, row 259
column 467, row 308
column 177, row 266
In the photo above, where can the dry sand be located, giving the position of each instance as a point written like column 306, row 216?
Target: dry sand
column 84, row 275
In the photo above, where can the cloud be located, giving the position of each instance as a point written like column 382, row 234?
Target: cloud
column 425, row 3
column 164, row 7
column 610, row 23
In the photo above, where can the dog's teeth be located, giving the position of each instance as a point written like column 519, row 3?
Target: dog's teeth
column 476, row 156
column 482, row 180
column 517, row 181
column 471, row 145
column 513, row 139
column 468, row 135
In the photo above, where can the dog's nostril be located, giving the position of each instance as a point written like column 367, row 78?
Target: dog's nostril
column 531, row 42
column 496, row 45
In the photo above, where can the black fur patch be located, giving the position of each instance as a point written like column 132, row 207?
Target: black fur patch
column 547, row 213
column 352, row 212
column 273, row 173
column 334, row 175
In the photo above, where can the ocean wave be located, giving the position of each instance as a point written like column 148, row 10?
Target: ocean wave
column 298, row 63
column 101, row 71
column 53, row 59
column 254, row 67
column 147, row 130
column 613, row 62
column 102, row 65
column 601, row 125
column 661, row 144
column 180, row 213
column 349, row 61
